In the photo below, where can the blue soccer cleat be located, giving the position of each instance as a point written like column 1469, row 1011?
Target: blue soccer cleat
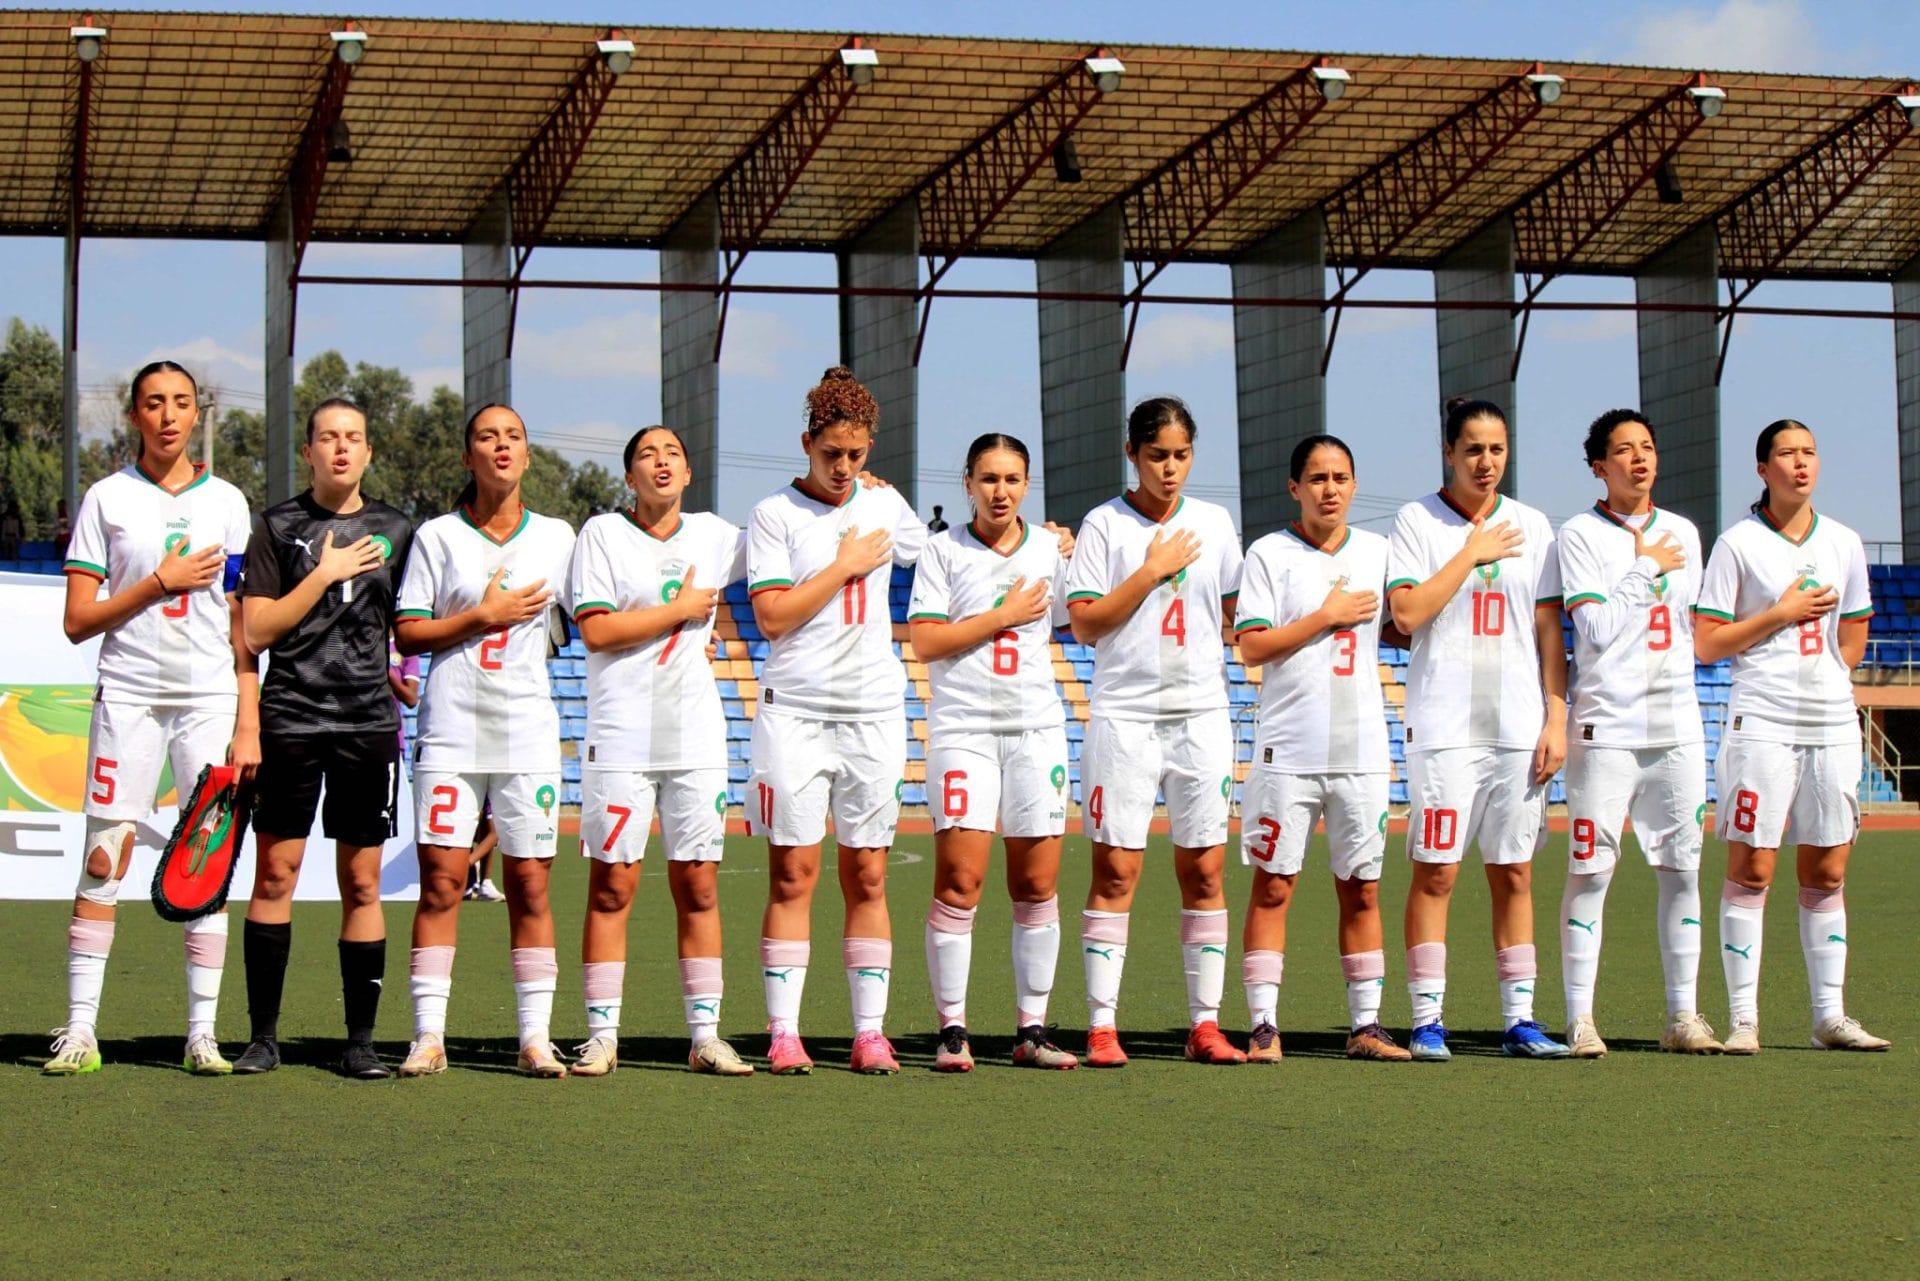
column 1429, row 1043
column 1528, row 1040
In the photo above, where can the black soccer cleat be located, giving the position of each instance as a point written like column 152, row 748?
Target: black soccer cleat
column 262, row 1056
column 362, row 1064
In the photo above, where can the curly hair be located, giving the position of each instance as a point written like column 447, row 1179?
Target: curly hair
column 839, row 397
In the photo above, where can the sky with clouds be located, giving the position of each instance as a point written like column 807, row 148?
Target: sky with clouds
column 586, row 363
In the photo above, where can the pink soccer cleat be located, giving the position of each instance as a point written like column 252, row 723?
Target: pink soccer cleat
column 787, row 1057
column 873, row 1055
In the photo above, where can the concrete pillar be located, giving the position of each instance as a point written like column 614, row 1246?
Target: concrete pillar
column 70, row 370
column 1906, row 373
column 877, row 337
column 1476, row 346
column 486, row 313
column 1282, row 395
column 689, row 325
column 282, row 433
column 1083, row 387
column 1678, row 394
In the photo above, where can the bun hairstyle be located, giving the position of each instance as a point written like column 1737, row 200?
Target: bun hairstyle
column 1461, row 410
column 1600, row 434
column 633, row 445
column 147, row 371
column 470, row 492
column 1763, row 450
column 838, row 398
column 1150, row 415
column 1297, row 466
column 332, row 402
column 996, row 440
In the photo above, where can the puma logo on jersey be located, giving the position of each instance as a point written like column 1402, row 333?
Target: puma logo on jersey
column 1744, row 953
column 304, row 546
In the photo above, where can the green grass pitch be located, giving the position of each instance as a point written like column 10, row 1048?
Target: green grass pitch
column 1795, row 1163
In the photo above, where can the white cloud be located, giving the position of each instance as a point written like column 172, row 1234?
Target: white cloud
column 754, row 345
column 1170, row 339
column 428, row 377
column 1598, row 326
column 1736, row 35
column 615, row 348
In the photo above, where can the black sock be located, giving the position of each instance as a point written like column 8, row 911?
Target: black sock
column 362, row 966
column 265, row 948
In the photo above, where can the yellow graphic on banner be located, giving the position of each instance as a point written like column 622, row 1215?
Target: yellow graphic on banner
column 43, row 748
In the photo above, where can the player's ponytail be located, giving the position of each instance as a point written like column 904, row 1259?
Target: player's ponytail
column 1461, row 410
column 1763, row 450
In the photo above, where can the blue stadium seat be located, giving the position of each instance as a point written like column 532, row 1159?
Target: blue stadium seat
column 570, row 769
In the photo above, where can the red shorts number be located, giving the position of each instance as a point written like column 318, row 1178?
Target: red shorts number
column 1345, row 645
column 1270, row 832
column 102, row 774
column 445, row 801
column 953, row 797
column 1659, row 628
column 492, row 648
column 765, row 794
column 1746, row 811
column 1583, row 835
column 1096, row 805
column 1440, row 828
column 619, row 825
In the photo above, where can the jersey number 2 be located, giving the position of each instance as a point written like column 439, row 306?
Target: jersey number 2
column 492, row 648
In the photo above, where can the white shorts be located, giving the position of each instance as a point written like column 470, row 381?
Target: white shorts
column 130, row 744
column 526, row 810
column 802, row 767
column 1776, row 794
column 1278, row 813
column 1019, row 777
column 616, row 812
column 1124, row 763
column 1663, row 789
column 1463, row 795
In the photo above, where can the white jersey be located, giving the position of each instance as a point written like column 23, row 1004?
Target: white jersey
column 1474, row 680
column 1321, row 709
column 1166, row 662
column 839, row 665
column 1635, row 690
column 1792, row 686
column 177, row 652
column 1004, row 683
column 654, row 706
column 487, row 706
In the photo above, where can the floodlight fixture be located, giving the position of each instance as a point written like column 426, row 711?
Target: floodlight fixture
column 349, row 44
column 616, row 51
column 859, row 61
column 1909, row 102
column 87, row 39
column 1547, row 87
column 1330, row 80
column 1708, row 100
column 1066, row 161
column 1106, row 71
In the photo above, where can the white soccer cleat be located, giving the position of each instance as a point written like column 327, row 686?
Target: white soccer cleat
column 425, row 1057
column 1846, row 1033
column 1745, row 1037
column 716, row 1057
column 203, row 1057
column 1689, row 1033
column 75, row 1053
column 598, row 1057
column 537, row 1059
column 1583, row 1039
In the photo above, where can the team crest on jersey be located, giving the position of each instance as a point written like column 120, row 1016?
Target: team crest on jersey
column 720, row 804
column 1058, row 777
column 176, row 540
column 1001, row 588
column 383, row 545
column 1700, row 815
column 899, row 790
column 1488, row 572
column 1177, row 581
column 545, row 798
column 1660, row 587
column 1807, row 575
column 1383, row 822
column 1226, row 787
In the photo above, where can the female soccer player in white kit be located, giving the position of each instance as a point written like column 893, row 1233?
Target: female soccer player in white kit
column 1473, row 579
column 644, row 585
column 1635, row 744
column 831, row 731
column 1152, row 578
column 476, row 594
column 984, row 599
column 1785, row 597
column 1309, row 614
column 176, row 683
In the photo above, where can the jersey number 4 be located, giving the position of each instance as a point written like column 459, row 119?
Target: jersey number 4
column 1174, row 622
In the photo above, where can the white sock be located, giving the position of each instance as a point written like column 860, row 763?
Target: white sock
column 1366, row 975
column 1427, row 981
column 206, row 947
column 1203, row 953
column 700, row 992
column 1517, row 968
column 88, row 944
column 430, row 982
column 949, row 940
column 783, row 977
column 869, row 964
column 1580, row 912
column 1261, row 972
column 603, row 984
column 1823, row 942
column 536, row 973
column 1036, row 957
column 1742, row 911
column 1680, row 938
column 1103, row 950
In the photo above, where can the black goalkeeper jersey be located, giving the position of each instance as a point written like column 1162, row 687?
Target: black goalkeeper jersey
column 329, row 673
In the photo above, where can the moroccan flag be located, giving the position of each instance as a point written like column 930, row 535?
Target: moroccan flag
column 196, row 867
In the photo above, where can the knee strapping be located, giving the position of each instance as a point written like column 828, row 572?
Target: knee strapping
column 108, row 840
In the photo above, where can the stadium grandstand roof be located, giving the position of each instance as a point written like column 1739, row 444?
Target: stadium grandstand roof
column 194, row 126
